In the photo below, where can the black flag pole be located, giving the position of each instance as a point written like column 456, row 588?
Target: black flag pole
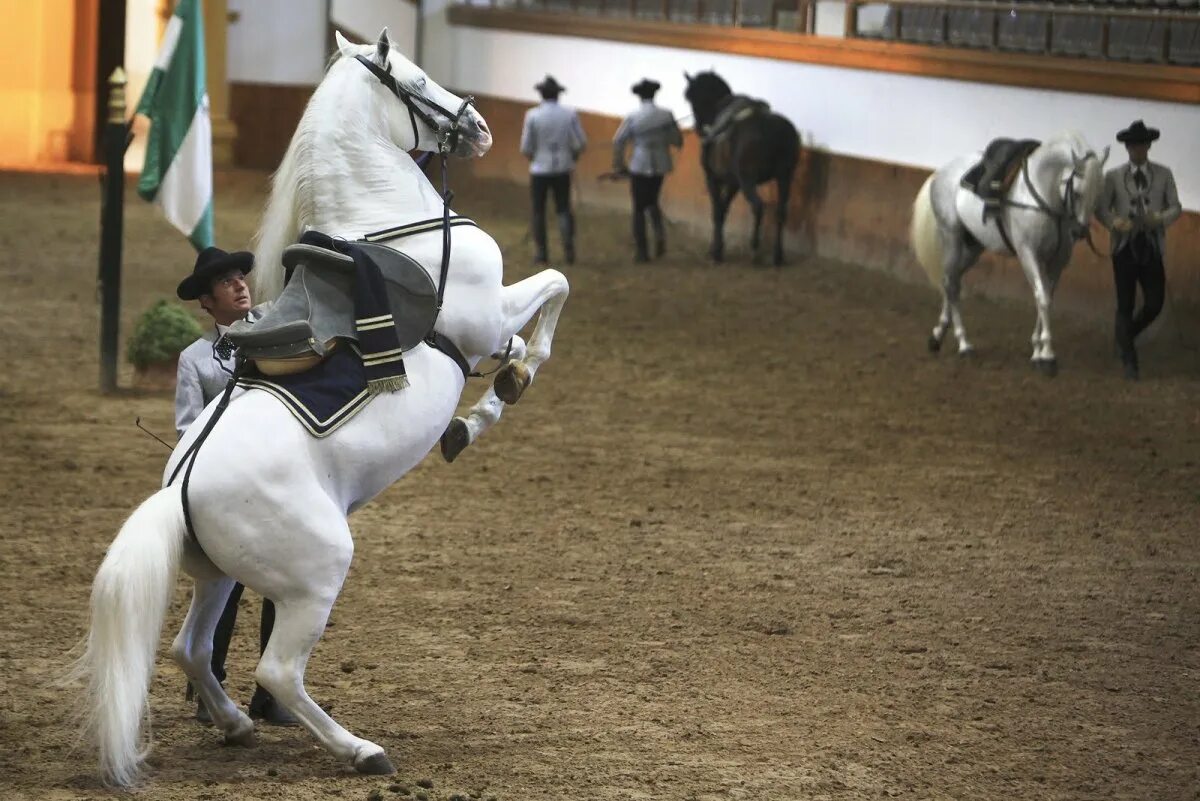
column 112, row 212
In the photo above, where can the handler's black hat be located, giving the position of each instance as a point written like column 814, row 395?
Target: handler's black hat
column 1137, row 134
column 209, row 264
column 646, row 88
column 550, row 87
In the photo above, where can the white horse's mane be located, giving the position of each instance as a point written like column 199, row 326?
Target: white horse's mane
column 343, row 132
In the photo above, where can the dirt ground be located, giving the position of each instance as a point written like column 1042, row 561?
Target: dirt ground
column 743, row 539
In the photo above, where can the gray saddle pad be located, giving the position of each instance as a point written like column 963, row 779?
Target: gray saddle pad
column 316, row 306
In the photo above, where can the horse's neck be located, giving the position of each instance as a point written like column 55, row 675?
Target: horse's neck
column 1046, row 167
column 367, row 188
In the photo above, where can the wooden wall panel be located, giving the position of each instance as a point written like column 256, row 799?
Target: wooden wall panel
column 266, row 116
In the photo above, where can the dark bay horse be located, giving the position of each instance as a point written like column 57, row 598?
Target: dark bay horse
column 744, row 145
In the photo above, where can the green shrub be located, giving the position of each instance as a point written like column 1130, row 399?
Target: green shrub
column 161, row 333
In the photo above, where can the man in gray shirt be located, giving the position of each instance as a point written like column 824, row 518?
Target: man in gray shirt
column 1139, row 201
column 552, row 140
column 218, row 281
column 652, row 131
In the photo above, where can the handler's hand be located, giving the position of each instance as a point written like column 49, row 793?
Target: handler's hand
column 1122, row 225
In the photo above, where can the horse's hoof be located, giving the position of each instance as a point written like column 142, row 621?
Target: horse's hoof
column 511, row 382
column 1047, row 367
column 240, row 739
column 934, row 344
column 966, row 353
column 455, row 440
column 375, row 765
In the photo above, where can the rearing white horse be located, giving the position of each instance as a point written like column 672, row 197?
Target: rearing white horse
column 1046, row 212
column 268, row 502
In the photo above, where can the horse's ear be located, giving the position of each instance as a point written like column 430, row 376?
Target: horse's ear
column 1104, row 158
column 381, row 48
column 343, row 45
column 687, row 77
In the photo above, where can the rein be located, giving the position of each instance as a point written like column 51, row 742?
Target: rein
column 448, row 140
column 1062, row 218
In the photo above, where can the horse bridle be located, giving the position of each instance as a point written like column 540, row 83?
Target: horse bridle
column 447, row 137
column 1069, row 199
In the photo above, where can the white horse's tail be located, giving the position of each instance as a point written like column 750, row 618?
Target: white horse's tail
column 923, row 234
column 130, row 596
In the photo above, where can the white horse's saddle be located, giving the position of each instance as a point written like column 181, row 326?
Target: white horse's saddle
column 315, row 311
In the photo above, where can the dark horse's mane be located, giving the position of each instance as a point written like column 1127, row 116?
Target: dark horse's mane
column 752, row 146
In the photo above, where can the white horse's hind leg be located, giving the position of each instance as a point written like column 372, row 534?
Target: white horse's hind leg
column 943, row 325
column 952, row 288
column 546, row 291
column 299, row 622
column 192, row 651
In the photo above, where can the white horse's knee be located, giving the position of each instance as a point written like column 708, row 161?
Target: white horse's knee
column 274, row 677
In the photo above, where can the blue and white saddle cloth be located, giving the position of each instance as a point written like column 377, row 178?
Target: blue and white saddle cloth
column 324, row 397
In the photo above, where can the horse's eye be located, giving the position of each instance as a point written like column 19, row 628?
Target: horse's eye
column 421, row 82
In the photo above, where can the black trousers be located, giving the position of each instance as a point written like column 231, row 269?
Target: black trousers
column 558, row 184
column 1138, row 263
column 645, row 190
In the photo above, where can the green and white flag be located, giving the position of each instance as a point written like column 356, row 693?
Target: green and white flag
column 177, row 173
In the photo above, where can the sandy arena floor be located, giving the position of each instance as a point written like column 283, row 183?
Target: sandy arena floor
column 743, row 539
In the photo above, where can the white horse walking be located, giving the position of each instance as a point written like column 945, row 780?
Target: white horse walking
column 268, row 502
column 1046, row 212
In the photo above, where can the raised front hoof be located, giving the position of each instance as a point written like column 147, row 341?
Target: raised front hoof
column 934, row 344
column 375, row 765
column 511, row 382
column 240, row 739
column 1047, row 367
column 455, row 440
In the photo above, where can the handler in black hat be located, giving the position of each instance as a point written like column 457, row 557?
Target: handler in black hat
column 652, row 131
column 218, row 281
column 552, row 139
column 1138, row 204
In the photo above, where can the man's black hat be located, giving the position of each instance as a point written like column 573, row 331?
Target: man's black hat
column 550, row 87
column 209, row 264
column 646, row 88
column 1137, row 134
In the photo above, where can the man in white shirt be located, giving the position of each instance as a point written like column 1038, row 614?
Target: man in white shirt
column 218, row 281
column 1138, row 203
column 653, row 132
column 552, row 139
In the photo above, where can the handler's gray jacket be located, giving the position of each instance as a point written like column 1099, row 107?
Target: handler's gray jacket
column 653, row 131
column 203, row 374
column 1122, row 198
column 552, row 138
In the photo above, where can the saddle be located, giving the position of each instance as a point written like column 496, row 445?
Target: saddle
column 738, row 108
column 315, row 311
column 992, row 177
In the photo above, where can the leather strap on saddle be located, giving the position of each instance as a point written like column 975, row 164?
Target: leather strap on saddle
column 317, row 308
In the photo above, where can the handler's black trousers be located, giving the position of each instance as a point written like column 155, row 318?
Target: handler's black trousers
column 1139, row 262
column 645, row 190
column 560, row 185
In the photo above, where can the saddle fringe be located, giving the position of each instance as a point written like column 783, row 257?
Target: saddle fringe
column 393, row 383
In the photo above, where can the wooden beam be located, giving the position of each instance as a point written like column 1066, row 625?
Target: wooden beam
column 1146, row 81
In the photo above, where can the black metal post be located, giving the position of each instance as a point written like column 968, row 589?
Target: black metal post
column 111, row 218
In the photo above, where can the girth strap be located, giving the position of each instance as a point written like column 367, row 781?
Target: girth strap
column 440, row 341
column 414, row 228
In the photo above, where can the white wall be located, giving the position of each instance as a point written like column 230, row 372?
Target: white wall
column 901, row 119
column 277, row 41
column 366, row 18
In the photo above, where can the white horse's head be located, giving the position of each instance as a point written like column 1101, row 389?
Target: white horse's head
column 1085, row 179
column 417, row 114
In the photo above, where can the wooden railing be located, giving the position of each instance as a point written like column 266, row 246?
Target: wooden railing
column 1045, row 24
column 1028, row 27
